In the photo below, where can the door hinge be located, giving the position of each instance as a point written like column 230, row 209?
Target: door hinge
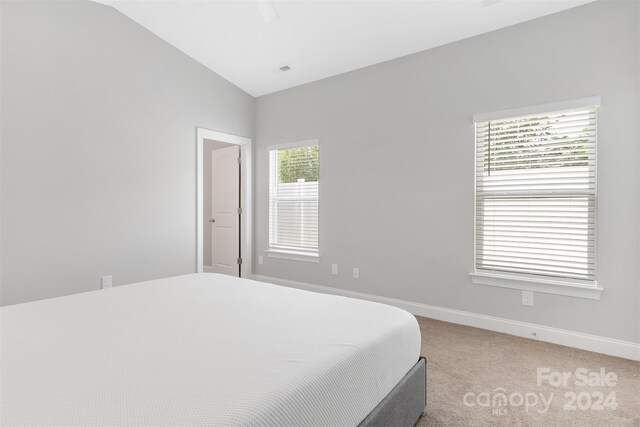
column 239, row 261
column 239, row 211
column 239, row 160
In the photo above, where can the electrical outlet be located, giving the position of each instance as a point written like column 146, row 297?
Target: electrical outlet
column 260, row 260
column 527, row 298
column 356, row 273
column 106, row 281
column 334, row 269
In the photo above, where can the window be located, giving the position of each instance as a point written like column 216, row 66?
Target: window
column 536, row 196
column 294, row 173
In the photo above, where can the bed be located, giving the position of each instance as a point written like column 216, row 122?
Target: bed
column 208, row 349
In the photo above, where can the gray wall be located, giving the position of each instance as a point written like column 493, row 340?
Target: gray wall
column 99, row 148
column 397, row 153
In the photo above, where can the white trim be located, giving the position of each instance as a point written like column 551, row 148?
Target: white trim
column 246, row 191
column 598, row 344
column 591, row 101
column 292, row 255
column 535, row 284
column 296, row 144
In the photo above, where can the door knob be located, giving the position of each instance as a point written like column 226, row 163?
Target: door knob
column 212, row 220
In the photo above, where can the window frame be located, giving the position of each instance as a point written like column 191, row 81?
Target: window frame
column 285, row 253
column 530, row 282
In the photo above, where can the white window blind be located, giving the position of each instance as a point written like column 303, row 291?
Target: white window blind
column 293, row 199
column 536, row 194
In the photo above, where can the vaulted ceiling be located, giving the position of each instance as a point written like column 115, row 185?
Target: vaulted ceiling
column 247, row 42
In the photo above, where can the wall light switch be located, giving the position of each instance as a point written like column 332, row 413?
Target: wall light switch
column 106, row 281
column 356, row 273
column 334, row 269
column 260, row 259
column 527, row 298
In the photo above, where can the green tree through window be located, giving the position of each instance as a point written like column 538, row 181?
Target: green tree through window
column 299, row 163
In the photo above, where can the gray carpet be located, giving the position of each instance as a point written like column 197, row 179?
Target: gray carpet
column 465, row 360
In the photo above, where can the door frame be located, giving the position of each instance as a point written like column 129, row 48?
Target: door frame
column 246, row 218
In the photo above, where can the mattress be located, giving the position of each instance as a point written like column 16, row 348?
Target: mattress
column 201, row 349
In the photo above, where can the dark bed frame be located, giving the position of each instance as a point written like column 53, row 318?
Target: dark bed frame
column 404, row 405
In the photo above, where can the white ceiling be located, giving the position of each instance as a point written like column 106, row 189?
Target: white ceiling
column 319, row 39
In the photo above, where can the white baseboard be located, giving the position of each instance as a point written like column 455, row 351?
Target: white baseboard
column 598, row 344
column 207, row 269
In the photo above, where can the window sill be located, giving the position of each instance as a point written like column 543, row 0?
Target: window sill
column 293, row 256
column 535, row 284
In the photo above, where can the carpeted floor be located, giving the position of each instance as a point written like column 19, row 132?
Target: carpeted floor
column 467, row 361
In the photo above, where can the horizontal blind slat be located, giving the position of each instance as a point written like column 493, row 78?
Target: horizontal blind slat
column 482, row 142
column 561, row 116
column 587, row 133
column 543, row 144
column 537, row 272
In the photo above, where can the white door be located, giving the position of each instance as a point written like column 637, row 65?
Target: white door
column 225, row 219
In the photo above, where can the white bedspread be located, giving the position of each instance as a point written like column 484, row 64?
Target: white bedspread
column 201, row 349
